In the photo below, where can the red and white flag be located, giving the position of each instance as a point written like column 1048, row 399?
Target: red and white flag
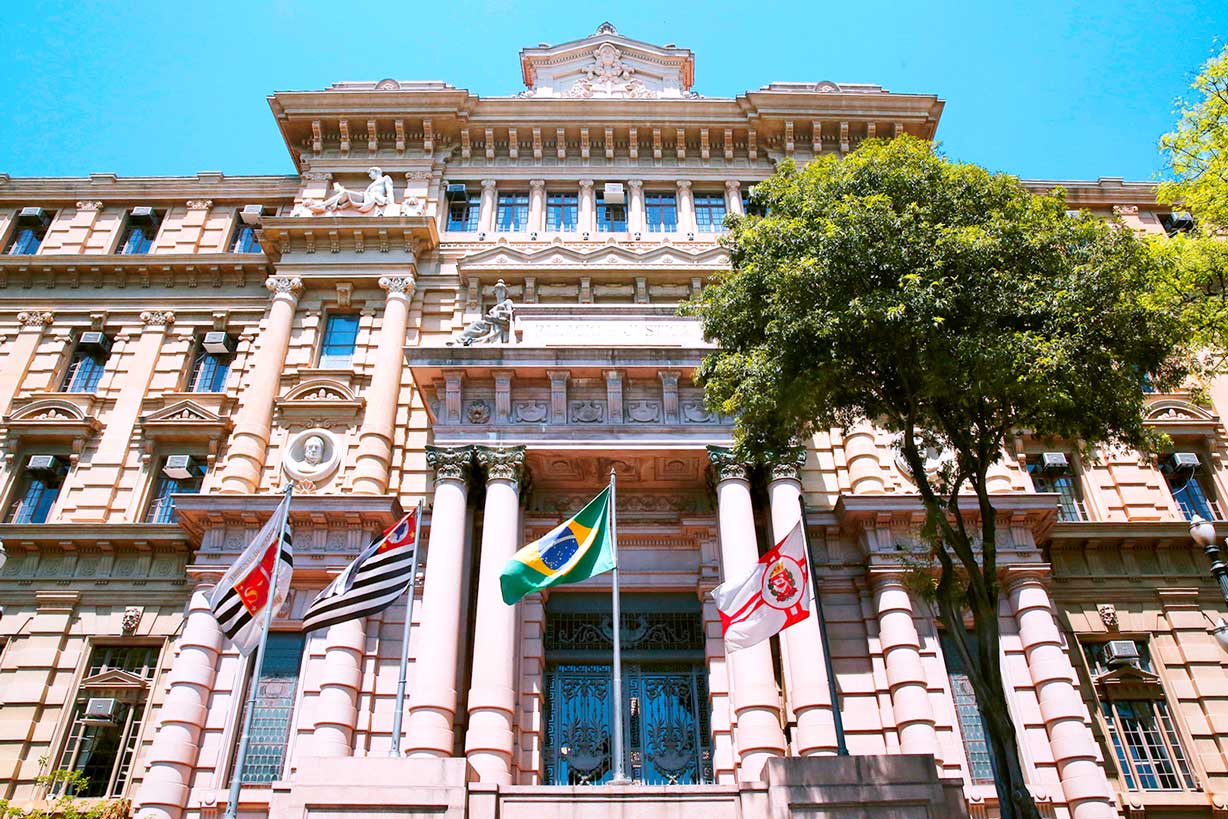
column 774, row 596
column 243, row 592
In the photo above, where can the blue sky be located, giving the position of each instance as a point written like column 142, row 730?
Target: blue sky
column 1055, row 90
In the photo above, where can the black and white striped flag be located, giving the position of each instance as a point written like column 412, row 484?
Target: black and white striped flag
column 243, row 592
column 373, row 581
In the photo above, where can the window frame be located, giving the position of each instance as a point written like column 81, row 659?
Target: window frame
column 125, row 234
column 20, row 487
column 241, row 228
column 322, row 351
column 570, row 207
column 667, row 203
column 154, row 505
column 72, row 368
column 199, row 356
column 1072, row 505
column 296, row 700
column 1211, row 509
column 515, row 203
column 472, row 203
column 602, row 211
column 40, row 230
column 708, row 203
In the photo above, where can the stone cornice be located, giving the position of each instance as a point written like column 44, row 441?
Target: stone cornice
column 110, row 270
column 74, row 536
column 367, row 512
column 128, row 191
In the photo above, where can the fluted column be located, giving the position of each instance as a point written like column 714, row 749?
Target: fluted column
column 432, row 703
column 489, row 742
column 686, row 207
column 486, row 216
column 1084, row 784
column 756, row 702
column 587, row 208
column 635, row 206
column 253, row 423
column 537, row 205
column 374, row 458
column 906, row 680
column 733, row 196
column 336, row 712
column 801, row 644
column 173, row 755
column 31, row 327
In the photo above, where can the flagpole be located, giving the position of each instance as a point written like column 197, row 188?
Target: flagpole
column 399, row 713
column 236, row 784
column 620, row 774
column 816, row 604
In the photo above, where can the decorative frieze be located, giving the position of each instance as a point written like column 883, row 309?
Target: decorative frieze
column 450, row 463
column 157, row 318
column 200, row 204
column 89, row 205
column 35, row 319
column 502, row 463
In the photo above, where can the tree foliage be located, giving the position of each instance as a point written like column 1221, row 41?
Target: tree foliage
column 953, row 307
column 1197, row 151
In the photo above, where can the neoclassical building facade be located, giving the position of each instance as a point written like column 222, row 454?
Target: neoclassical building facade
column 472, row 301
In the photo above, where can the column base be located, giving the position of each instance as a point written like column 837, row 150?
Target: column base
column 362, row 786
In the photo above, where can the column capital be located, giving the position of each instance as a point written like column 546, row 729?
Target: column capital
column 787, row 465
column 157, row 318
column 586, row 184
column 35, row 319
column 537, row 184
column 284, row 285
column 726, row 466
column 450, row 463
column 505, row 463
column 488, row 184
column 397, row 285
column 886, row 576
column 1016, row 577
column 684, row 184
column 733, row 185
column 635, row 184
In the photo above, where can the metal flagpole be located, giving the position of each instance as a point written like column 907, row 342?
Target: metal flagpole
column 399, row 713
column 817, row 604
column 620, row 774
column 232, row 802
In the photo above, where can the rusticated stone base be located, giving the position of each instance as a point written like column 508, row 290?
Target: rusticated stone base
column 903, row 786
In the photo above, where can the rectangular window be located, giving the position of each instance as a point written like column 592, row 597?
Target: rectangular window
column 245, row 240
column 31, row 229
column 971, row 724
column 611, row 218
column 1181, row 473
column 710, row 212
column 1059, row 477
column 562, row 212
column 275, row 694
column 39, row 486
column 88, row 361
column 661, row 212
column 180, row 474
column 512, row 213
column 463, row 213
column 340, row 337
column 209, row 370
column 140, row 230
column 107, row 718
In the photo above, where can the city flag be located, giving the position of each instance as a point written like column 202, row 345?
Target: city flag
column 774, row 596
column 575, row 550
column 373, row 580
column 243, row 592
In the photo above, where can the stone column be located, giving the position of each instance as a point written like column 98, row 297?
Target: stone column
column 1074, row 749
column 172, row 757
column 906, row 680
column 806, row 673
column 635, row 206
column 486, row 216
column 21, row 354
column 861, row 455
column 537, row 205
column 587, row 208
column 336, row 712
column 432, row 703
column 756, row 702
column 254, row 422
column 733, row 196
column 489, row 743
column 686, row 207
column 374, row 457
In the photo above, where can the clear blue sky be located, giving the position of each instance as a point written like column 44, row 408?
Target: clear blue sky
column 1041, row 89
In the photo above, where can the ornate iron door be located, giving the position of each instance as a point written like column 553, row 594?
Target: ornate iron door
column 665, row 722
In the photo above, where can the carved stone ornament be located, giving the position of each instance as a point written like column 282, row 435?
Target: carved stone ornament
column 403, row 285
column 157, row 318
column 725, row 466
column 279, row 285
column 495, row 326
column 311, row 456
column 609, row 77
column 35, row 319
column 502, row 463
column 788, row 465
column 377, row 199
column 1108, row 615
column 131, row 619
column 478, row 413
column 200, row 204
column 450, row 463
column 89, row 205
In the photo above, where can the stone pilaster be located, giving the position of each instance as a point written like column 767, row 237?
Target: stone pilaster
column 636, row 215
column 537, row 205
column 686, row 207
column 733, row 196
column 486, row 216
column 32, row 326
column 587, row 209
column 906, row 680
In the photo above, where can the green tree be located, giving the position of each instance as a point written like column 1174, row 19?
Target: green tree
column 1197, row 152
column 953, row 307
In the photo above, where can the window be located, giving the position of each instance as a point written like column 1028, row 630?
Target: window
column 1140, row 728
column 1051, row 472
column 661, row 211
column 748, row 205
column 31, row 229
column 245, row 240
column 1181, row 473
column 512, row 214
column 340, row 336
column 88, row 361
column 971, row 724
column 710, row 212
column 463, row 211
column 181, row 474
column 611, row 218
column 38, row 487
column 562, row 212
column 140, row 231
column 275, row 695
column 210, row 366
column 107, row 717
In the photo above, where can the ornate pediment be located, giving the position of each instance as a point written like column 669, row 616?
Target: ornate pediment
column 606, row 65
column 116, row 683
column 66, row 417
column 608, row 257
column 181, row 412
column 1170, row 409
column 1129, row 683
column 183, row 421
column 320, row 401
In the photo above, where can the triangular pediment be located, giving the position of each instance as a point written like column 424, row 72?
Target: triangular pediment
column 115, row 679
column 611, row 256
column 182, row 411
column 607, row 65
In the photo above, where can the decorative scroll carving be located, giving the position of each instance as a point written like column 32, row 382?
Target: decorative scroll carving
column 725, row 466
column 450, row 463
column 478, row 412
column 696, row 413
column 278, row 285
column 587, row 412
column 644, row 412
column 787, row 465
column 157, row 318
column 89, row 205
column 200, row 204
column 397, row 285
column 502, row 463
column 530, row 412
column 35, row 319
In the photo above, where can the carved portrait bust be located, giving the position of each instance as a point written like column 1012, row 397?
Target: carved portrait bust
column 311, row 455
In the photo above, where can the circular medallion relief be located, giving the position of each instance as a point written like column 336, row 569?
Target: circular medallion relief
column 311, row 455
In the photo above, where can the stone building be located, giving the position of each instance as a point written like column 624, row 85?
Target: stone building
column 472, row 301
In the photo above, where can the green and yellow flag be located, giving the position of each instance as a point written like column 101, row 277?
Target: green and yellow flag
column 575, row 550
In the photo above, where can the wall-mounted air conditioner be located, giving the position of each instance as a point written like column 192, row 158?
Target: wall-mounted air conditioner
column 613, row 193
column 251, row 214
column 43, row 463
column 1120, row 652
column 93, row 341
column 178, row 467
column 100, row 711
column 1053, row 460
column 456, row 192
column 217, row 342
column 1179, row 461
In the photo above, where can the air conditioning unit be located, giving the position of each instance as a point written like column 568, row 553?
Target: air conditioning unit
column 42, row 463
column 143, row 212
column 456, row 191
column 1180, row 461
column 1053, row 460
column 33, row 216
column 179, row 467
column 1073, row 214
column 218, row 343
column 251, row 214
column 96, row 342
column 613, row 193
column 1120, row 652
column 100, row 711
column 1178, row 221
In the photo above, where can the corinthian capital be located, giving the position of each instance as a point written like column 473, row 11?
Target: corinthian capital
column 502, row 463
column 787, row 465
column 725, row 466
column 450, row 463
column 157, row 318
column 278, row 285
column 403, row 285
column 35, row 319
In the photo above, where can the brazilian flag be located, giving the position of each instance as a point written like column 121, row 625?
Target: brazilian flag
column 575, row 550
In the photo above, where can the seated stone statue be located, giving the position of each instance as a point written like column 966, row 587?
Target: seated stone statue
column 496, row 325
column 378, row 199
